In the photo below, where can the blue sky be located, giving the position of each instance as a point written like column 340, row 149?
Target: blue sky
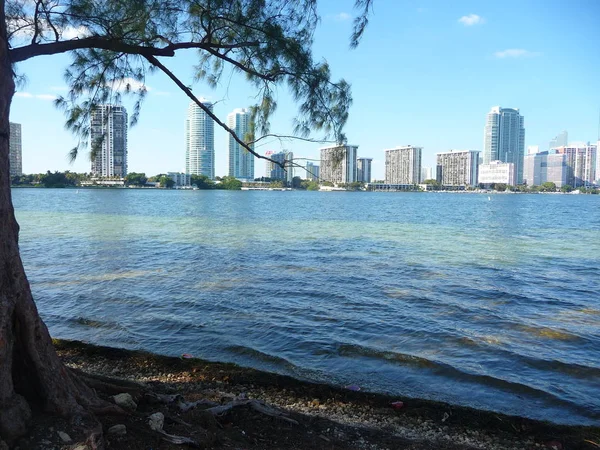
column 426, row 73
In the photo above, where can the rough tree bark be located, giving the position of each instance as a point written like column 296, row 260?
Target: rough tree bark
column 31, row 374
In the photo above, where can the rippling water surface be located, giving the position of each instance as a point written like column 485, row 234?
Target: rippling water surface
column 488, row 303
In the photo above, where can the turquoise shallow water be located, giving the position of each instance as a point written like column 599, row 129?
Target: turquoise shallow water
column 454, row 297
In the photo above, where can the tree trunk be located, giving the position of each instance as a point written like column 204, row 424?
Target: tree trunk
column 31, row 374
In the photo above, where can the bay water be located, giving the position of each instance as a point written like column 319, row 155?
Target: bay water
column 484, row 301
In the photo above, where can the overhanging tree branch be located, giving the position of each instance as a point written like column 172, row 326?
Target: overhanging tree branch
column 116, row 45
column 155, row 62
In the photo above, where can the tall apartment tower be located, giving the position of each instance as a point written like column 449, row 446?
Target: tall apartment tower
column 504, row 139
column 458, row 168
column 363, row 169
column 403, row 165
column 199, row 141
column 581, row 160
column 338, row 163
column 312, row 171
column 109, row 132
column 15, row 150
column 241, row 161
column 278, row 172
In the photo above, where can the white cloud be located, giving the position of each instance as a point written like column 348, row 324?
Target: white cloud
column 46, row 96
column 515, row 53
column 129, row 83
column 471, row 19
column 38, row 96
column 70, row 32
column 342, row 17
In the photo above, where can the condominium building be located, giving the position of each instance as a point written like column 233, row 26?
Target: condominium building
column 497, row 172
column 15, row 150
column 581, row 163
column 504, row 139
column 285, row 173
column 457, row 168
column 241, row 161
column 312, row 171
column 338, row 163
column 181, row 179
column 200, row 141
column 426, row 174
column 108, row 136
column 560, row 140
column 363, row 169
column 544, row 167
column 598, row 163
column 403, row 165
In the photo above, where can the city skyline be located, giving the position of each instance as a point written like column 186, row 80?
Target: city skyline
column 521, row 67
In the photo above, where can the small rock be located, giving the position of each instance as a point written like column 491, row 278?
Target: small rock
column 156, row 421
column 553, row 445
column 64, row 437
column 3, row 445
column 117, row 430
column 125, row 401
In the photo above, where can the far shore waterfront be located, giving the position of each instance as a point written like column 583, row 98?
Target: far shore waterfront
column 327, row 416
column 444, row 191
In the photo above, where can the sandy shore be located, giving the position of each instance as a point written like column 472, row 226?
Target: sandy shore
column 330, row 417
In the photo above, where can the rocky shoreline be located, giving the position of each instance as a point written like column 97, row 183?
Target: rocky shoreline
column 327, row 417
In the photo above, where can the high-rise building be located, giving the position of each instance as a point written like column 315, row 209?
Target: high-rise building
column 269, row 165
column 338, row 163
column 200, row 141
column 109, row 134
column 426, row 174
column 598, row 162
column 241, row 161
column 363, row 169
column 457, row 168
column 285, row 173
column 504, row 139
column 581, row 163
column 560, row 140
column 497, row 172
column 543, row 167
column 15, row 150
column 312, row 171
column 403, row 165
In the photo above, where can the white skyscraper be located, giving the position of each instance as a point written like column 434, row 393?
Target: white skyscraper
column 241, row 161
column 199, row 141
column 109, row 134
column 15, row 150
column 403, row 165
column 504, row 139
column 338, row 163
